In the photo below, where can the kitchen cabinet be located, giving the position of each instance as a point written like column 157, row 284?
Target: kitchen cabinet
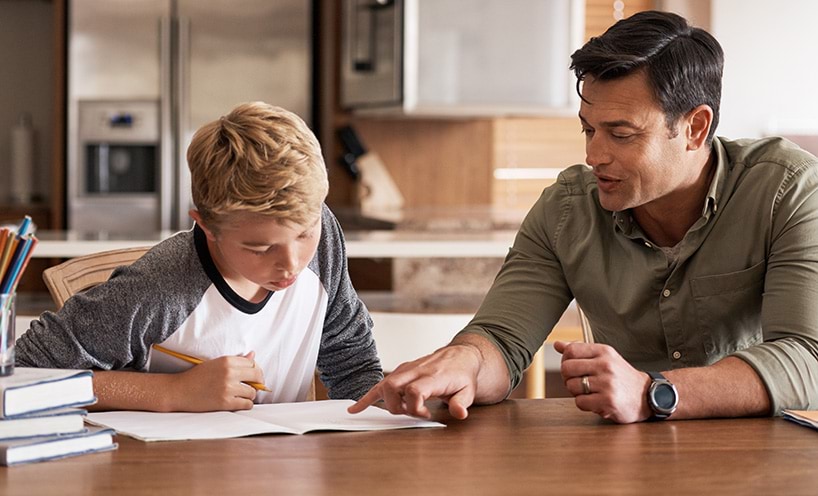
column 459, row 57
column 503, row 162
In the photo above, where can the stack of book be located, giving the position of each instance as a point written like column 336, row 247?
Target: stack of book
column 41, row 416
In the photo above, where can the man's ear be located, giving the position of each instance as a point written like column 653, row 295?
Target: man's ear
column 699, row 121
column 196, row 216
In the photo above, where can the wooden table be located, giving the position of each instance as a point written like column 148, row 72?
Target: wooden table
column 516, row 447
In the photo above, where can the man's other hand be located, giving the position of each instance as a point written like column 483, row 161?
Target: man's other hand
column 612, row 388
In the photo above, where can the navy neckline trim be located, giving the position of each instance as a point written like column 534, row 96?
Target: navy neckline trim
column 200, row 241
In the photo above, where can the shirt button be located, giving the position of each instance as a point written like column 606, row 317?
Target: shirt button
column 648, row 244
column 677, row 355
column 666, row 293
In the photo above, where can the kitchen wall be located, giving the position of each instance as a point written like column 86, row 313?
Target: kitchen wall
column 27, row 59
column 771, row 66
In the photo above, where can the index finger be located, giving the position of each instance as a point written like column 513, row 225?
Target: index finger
column 372, row 396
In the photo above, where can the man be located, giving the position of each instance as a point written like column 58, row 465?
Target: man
column 694, row 257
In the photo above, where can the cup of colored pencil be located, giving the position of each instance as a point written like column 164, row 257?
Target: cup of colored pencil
column 16, row 247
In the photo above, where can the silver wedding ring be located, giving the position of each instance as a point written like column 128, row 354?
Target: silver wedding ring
column 586, row 385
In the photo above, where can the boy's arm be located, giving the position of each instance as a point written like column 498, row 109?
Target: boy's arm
column 217, row 384
column 347, row 359
column 113, row 326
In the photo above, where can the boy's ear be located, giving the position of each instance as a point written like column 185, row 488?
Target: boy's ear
column 195, row 215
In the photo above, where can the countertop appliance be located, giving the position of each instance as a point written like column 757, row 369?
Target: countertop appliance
column 460, row 57
column 145, row 74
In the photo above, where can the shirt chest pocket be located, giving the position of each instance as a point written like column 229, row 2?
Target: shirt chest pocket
column 728, row 310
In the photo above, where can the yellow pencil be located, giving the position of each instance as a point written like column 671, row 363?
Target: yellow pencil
column 196, row 361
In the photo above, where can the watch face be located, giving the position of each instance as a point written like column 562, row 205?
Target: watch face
column 664, row 397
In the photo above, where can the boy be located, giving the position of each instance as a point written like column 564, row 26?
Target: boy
column 258, row 289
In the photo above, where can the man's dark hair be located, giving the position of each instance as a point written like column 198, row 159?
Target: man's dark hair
column 683, row 64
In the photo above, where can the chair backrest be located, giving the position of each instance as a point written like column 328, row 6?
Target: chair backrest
column 81, row 273
column 587, row 333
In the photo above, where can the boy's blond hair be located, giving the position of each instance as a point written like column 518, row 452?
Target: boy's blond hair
column 258, row 158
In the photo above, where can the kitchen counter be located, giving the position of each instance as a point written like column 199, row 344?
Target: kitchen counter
column 359, row 244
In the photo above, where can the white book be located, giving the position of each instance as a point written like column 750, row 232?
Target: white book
column 31, row 390
column 63, row 421
column 38, row 449
column 276, row 418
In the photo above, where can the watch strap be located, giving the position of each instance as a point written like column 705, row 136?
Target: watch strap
column 656, row 376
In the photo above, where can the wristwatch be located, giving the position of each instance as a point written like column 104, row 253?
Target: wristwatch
column 662, row 396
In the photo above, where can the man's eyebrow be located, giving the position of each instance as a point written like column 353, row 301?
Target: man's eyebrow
column 608, row 124
column 620, row 123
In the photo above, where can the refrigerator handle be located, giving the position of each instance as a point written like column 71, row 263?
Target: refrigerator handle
column 182, row 92
column 166, row 145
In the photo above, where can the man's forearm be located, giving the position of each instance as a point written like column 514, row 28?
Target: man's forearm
column 493, row 380
column 728, row 388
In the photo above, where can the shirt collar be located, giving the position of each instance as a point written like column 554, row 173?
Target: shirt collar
column 623, row 220
column 714, row 194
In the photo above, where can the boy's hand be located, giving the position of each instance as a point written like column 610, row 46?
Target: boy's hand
column 217, row 384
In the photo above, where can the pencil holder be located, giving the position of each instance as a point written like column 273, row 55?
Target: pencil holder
column 7, row 334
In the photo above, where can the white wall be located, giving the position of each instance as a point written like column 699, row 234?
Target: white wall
column 771, row 66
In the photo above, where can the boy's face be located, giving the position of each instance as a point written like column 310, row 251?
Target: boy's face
column 253, row 250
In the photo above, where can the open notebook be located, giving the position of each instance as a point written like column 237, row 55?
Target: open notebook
column 279, row 418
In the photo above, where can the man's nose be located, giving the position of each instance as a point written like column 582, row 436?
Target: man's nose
column 596, row 152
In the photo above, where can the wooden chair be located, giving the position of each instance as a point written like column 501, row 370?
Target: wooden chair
column 81, row 273
column 587, row 333
column 535, row 373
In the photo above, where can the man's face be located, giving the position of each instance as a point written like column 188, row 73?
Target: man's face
column 263, row 251
column 636, row 159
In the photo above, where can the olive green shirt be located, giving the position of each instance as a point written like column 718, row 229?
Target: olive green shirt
column 745, row 283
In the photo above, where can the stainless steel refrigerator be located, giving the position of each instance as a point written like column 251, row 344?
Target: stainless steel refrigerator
column 143, row 75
